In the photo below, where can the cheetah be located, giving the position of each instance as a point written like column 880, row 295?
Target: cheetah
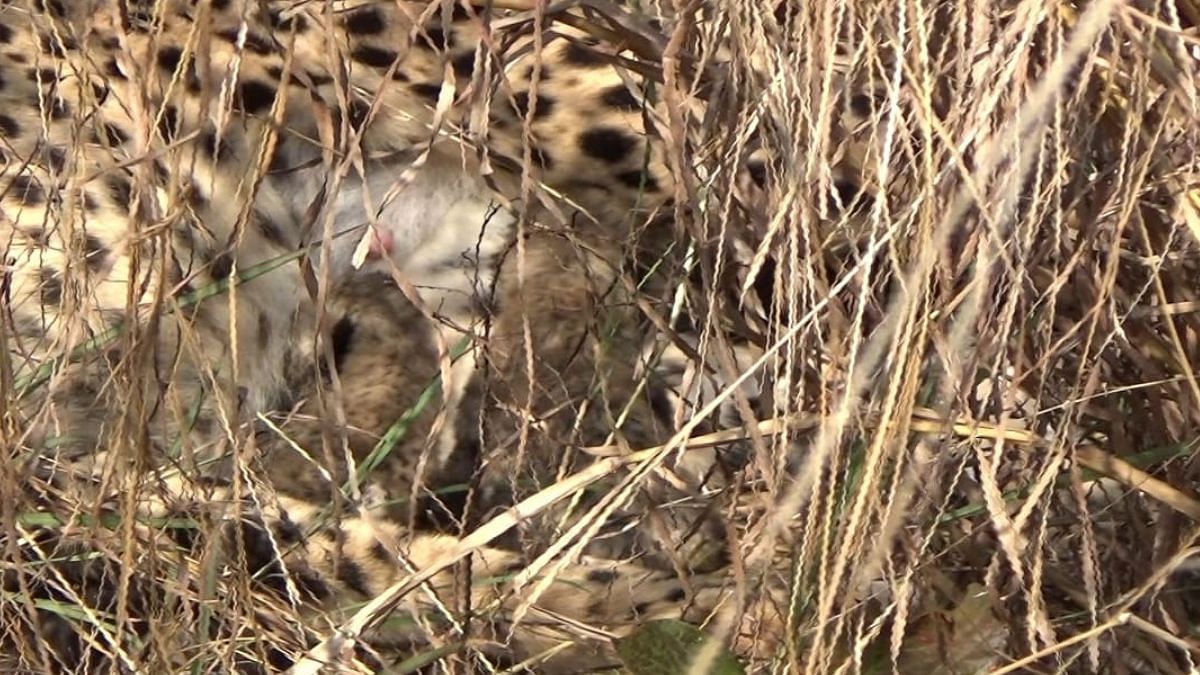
column 183, row 159
column 183, row 180
column 387, row 363
column 380, row 374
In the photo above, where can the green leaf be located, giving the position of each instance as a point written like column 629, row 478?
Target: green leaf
column 668, row 648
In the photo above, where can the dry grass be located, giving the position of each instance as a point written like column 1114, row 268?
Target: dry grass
column 980, row 450
column 1033, row 229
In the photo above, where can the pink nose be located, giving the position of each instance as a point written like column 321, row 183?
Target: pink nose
column 382, row 243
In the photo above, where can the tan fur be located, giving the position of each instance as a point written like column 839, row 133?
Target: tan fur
column 390, row 358
column 154, row 152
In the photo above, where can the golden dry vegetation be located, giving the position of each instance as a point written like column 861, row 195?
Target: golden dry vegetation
column 972, row 275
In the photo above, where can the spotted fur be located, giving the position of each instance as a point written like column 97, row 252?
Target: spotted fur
column 307, row 539
column 179, row 180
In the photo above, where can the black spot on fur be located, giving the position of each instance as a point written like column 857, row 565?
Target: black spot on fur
column 168, row 123
column 113, row 70
column 274, row 72
column 121, row 190
column 333, row 534
column 764, row 287
column 288, row 532
column 294, row 22
column 351, row 574
column 542, row 157
column 600, row 576
column 606, row 144
column 262, row 560
column 159, row 169
column 278, row 162
column 54, row 47
column 6, row 34
column 514, row 567
column 375, row 57
column 56, row 158
column 169, row 58
column 196, row 195
column 113, row 134
column 318, row 79
column 341, row 337
column 371, row 659
column 213, row 482
column 90, row 204
column 255, row 96
column 42, row 76
column 545, row 105
column 758, row 172
column 861, row 104
column 446, row 511
column 545, row 75
column 676, row 595
column 618, row 97
column 191, row 81
column 578, row 55
column 435, row 39
column 426, row 91
column 270, row 230
column 54, row 7
column 245, row 664
column 26, row 190
column 365, row 21
column 847, row 191
column 254, row 43
column 9, row 126
column 58, row 108
column 312, row 585
column 638, row 180
column 357, row 112
column 459, row 13
column 464, row 65
column 36, row 235
column 96, row 253
column 218, row 153
column 51, row 287
column 265, row 331
column 187, row 538
column 380, row 553
column 259, row 45
column 221, row 266
column 221, row 5
column 782, row 12
column 660, row 403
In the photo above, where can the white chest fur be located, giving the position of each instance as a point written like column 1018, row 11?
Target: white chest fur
column 444, row 228
column 446, row 235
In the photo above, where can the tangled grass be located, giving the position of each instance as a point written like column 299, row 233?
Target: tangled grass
column 985, row 365
column 972, row 272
